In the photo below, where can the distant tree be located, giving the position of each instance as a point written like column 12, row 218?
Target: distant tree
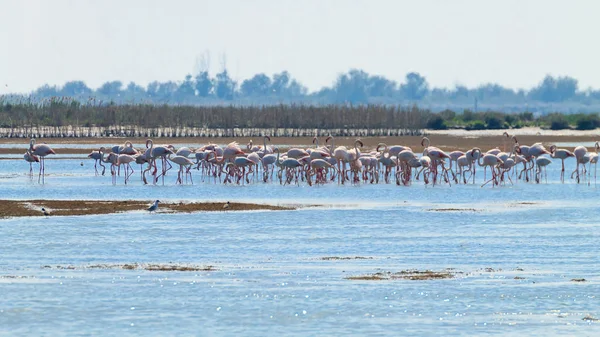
column 352, row 87
column 460, row 91
column 75, row 88
column 554, row 89
column 447, row 114
column 186, row 89
column 152, row 89
column 492, row 90
column 133, row 89
column 110, row 89
column 436, row 122
column 415, row 88
column 284, row 86
column 295, row 89
column 259, row 85
column 204, row 84
column 46, row 91
column 440, row 94
column 280, row 83
column 379, row 86
column 167, row 91
column 224, row 85
column 162, row 92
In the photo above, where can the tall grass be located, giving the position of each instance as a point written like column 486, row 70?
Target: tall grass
column 65, row 117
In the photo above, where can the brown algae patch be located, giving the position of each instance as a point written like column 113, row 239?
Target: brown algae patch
column 590, row 318
column 337, row 258
column 18, row 208
column 140, row 266
column 411, row 274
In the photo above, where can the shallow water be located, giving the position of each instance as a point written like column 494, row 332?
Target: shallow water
column 515, row 250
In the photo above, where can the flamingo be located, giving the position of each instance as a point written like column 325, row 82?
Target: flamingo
column 98, row 156
column 561, row 154
column 155, row 153
column 289, row 165
column 243, row 163
column 340, row 154
column 183, row 151
column 541, row 163
column 404, row 160
column 472, row 156
column 182, row 161
column 40, row 150
column 319, row 168
column 492, row 161
column 31, row 158
column 454, row 155
column 352, row 158
column 386, row 161
column 581, row 157
column 126, row 160
column 594, row 160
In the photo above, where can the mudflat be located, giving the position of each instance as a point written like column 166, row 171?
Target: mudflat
column 447, row 140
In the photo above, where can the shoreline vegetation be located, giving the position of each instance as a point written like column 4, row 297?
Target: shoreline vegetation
column 20, row 208
column 64, row 117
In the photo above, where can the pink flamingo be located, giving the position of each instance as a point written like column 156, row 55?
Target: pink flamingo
column 541, row 163
column 594, row 160
column 113, row 158
column 182, row 161
column 30, row 158
column 561, row 154
column 98, row 156
column 581, row 157
column 126, row 160
column 40, row 150
column 492, row 161
column 290, row 166
column 141, row 159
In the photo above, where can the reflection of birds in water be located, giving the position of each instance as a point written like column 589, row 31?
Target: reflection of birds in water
column 45, row 212
column 226, row 206
column 154, row 207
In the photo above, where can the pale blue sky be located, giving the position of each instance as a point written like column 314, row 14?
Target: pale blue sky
column 514, row 43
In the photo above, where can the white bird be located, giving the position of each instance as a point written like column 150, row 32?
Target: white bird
column 226, row 206
column 154, row 207
column 45, row 212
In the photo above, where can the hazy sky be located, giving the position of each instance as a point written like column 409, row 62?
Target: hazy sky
column 514, row 43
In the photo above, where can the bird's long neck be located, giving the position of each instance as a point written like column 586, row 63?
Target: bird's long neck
column 277, row 162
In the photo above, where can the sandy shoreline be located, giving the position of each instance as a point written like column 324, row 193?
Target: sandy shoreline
column 19, row 208
column 447, row 140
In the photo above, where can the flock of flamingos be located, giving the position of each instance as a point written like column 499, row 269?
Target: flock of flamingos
column 322, row 164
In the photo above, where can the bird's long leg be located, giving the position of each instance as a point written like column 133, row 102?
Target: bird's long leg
column 41, row 165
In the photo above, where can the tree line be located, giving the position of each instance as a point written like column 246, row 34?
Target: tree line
column 62, row 113
column 353, row 87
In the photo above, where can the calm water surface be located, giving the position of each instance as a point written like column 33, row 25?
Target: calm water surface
column 515, row 251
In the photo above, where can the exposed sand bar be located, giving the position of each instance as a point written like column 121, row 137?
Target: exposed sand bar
column 447, row 140
column 17, row 208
